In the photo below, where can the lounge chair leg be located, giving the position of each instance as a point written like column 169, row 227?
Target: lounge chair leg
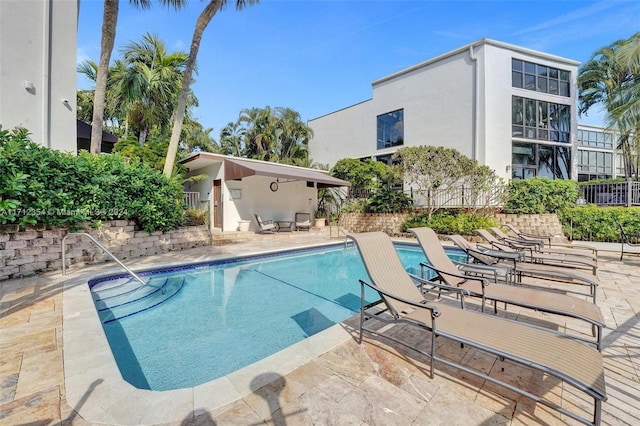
column 502, row 361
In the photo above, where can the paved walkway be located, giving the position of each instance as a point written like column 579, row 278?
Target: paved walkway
column 374, row 383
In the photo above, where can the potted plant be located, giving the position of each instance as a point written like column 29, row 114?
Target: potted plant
column 320, row 217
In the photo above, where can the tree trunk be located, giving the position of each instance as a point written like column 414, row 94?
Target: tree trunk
column 109, row 22
column 203, row 20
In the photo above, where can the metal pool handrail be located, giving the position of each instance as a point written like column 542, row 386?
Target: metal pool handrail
column 96, row 242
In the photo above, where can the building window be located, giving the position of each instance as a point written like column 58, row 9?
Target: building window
column 530, row 160
column 540, row 78
column 534, row 119
column 595, row 139
column 391, row 129
column 594, row 165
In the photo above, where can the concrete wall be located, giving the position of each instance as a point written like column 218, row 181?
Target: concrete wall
column 38, row 69
column 31, row 251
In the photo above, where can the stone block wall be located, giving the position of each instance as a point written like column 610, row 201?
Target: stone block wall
column 538, row 224
column 367, row 222
column 26, row 252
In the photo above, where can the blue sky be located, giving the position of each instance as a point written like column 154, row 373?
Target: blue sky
column 318, row 56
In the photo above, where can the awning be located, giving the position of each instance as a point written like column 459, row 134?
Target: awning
column 236, row 168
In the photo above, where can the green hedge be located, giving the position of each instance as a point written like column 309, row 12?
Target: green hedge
column 449, row 221
column 540, row 195
column 43, row 186
column 593, row 223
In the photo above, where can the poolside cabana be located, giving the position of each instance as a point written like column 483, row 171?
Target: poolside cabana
column 237, row 188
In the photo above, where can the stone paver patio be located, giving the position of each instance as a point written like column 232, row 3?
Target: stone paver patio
column 375, row 383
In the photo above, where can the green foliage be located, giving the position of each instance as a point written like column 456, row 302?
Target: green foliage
column 387, row 200
column 540, row 195
column 354, row 206
column 434, row 173
column 362, row 174
column 593, row 223
column 449, row 221
column 57, row 189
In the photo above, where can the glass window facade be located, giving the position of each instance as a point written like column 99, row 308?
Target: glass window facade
column 595, row 139
column 594, row 165
column 391, row 129
column 531, row 159
column 540, row 78
column 535, row 119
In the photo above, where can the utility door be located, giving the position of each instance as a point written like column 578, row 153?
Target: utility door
column 217, row 203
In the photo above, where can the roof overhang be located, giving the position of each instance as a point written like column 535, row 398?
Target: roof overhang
column 237, row 168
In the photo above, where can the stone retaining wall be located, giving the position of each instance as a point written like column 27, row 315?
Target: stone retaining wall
column 26, row 252
column 539, row 224
column 366, row 222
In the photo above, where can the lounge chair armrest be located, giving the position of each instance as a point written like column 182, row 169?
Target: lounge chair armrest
column 500, row 254
column 443, row 287
column 476, row 268
column 484, row 281
column 435, row 312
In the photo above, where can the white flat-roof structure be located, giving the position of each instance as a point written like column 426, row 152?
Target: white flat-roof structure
column 237, row 188
column 510, row 108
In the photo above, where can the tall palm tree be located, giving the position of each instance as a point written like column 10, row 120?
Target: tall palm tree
column 232, row 139
column 148, row 86
column 294, row 136
column 109, row 23
column 610, row 79
column 201, row 24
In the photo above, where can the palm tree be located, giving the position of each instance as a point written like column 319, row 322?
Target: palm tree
column 610, row 78
column 232, row 139
column 109, row 23
column 201, row 24
column 294, row 137
column 148, row 86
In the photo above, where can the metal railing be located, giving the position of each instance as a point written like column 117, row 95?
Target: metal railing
column 192, row 199
column 454, row 197
column 96, row 242
column 610, row 194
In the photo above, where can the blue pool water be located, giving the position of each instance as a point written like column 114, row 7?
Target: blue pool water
column 202, row 322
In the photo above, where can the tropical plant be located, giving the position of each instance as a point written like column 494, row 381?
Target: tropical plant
column 268, row 134
column 611, row 79
column 433, row 172
column 146, row 84
column 364, row 175
column 540, row 195
column 109, row 24
column 201, row 24
column 449, row 221
column 40, row 185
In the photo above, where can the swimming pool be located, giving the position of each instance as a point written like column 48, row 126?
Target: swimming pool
column 215, row 318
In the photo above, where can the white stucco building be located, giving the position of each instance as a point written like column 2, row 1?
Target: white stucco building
column 38, row 69
column 510, row 108
column 236, row 189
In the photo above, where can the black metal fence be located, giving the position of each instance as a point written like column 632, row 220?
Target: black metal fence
column 610, row 194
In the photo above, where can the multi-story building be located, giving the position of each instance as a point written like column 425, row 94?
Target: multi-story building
column 597, row 154
column 508, row 107
column 38, row 70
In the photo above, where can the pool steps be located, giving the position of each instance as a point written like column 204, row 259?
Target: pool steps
column 122, row 299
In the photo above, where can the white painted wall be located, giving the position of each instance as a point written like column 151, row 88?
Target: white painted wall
column 38, row 45
column 256, row 197
column 451, row 101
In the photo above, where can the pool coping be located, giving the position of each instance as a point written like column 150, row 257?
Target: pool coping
column 96, row 390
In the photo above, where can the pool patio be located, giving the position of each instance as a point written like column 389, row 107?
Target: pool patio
column 330, row 379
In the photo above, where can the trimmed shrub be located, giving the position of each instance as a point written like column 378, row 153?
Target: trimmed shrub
column 43, row 186
column 450, row 221
column 593, row 223
column 540, row 195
